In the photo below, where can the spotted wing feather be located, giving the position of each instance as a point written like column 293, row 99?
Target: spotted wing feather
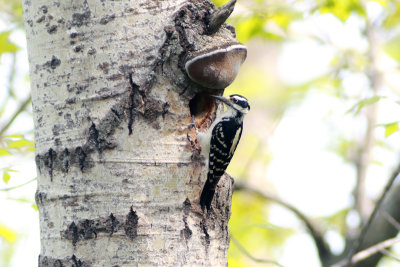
column 225, row 138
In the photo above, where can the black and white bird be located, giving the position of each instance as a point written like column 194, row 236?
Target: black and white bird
column 220, row 141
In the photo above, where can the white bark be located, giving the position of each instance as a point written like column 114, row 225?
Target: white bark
column 119, row 180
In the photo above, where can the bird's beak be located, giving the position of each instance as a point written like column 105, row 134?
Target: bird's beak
column 222, row 99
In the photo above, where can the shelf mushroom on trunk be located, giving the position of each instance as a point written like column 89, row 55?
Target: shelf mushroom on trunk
column 216, row 68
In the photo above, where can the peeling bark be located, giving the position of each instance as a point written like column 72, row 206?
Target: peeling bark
column 111, row 109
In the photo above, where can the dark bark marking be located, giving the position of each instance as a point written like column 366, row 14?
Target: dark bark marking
column 53, row 63
column 65, row 159
column 72, row 233
column 115, row 77
column 106, row 19
column 52, row 29
column 186, row 232
column 94, row 137
column 204, row 228
column 80, row 19
column 98, row 140
column 78, row 48
column 90, row 228
column 134, row 88
column 91, row 51
column 44, row 9
column 49, row 158
column 73, row 261
column 80, row 153
column 131, row 224
column 37, row 161
column 114, row 224
column 45, row 261
column 141, row 103
column 116, row 113
column 39, row 197
column 77, row 88
column 105, row 67
column 41, row 19
column 87, row 230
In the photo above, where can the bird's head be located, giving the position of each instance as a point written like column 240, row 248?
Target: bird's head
column 236, row 102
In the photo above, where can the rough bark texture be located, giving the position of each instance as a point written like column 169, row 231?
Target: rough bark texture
column 119, row 177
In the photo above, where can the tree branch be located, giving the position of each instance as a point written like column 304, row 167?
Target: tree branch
column 242, row 249
column 17, row 186
column 367, row 145
column 390, row 219
column 317, row 235
column 21, row 108
column 378, row 204
column 390, row 255
column 366, row 253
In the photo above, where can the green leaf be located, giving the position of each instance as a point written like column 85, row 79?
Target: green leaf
column 219, row 3
column 341, row 8
column 7, row 234
column 338, row 220
column 6, row 177
column 21, row 200
column 382, row 2
column 365, row 102
column 35, row 207
column 19, row 136
column 253, row 26
column 10, row 170
column 391, row 128
column 4, row 152
column 392, row 47
column 20, row 143
column 5, row 45
column 393, row 19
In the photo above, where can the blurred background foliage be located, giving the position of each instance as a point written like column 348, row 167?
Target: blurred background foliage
column 16, row 137
column 323, row 81
column 334, row 63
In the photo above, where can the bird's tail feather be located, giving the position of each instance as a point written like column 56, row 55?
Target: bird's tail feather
column 207, row 195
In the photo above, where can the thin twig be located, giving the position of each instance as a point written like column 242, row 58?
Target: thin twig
column 390, row 255
column 242, row 249
column 10, row 89
column 364, row 158
column 316, row 234
column 21, row 108
column 366, row 253
column 390, row 219
column 12, row 77
column 366, row 226
column 18, row 186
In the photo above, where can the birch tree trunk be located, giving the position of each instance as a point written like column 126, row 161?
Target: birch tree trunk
column 119, row 173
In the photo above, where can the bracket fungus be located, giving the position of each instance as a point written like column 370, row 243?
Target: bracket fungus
column 216, row 68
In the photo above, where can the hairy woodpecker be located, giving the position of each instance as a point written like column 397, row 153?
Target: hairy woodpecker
column 220, row 141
